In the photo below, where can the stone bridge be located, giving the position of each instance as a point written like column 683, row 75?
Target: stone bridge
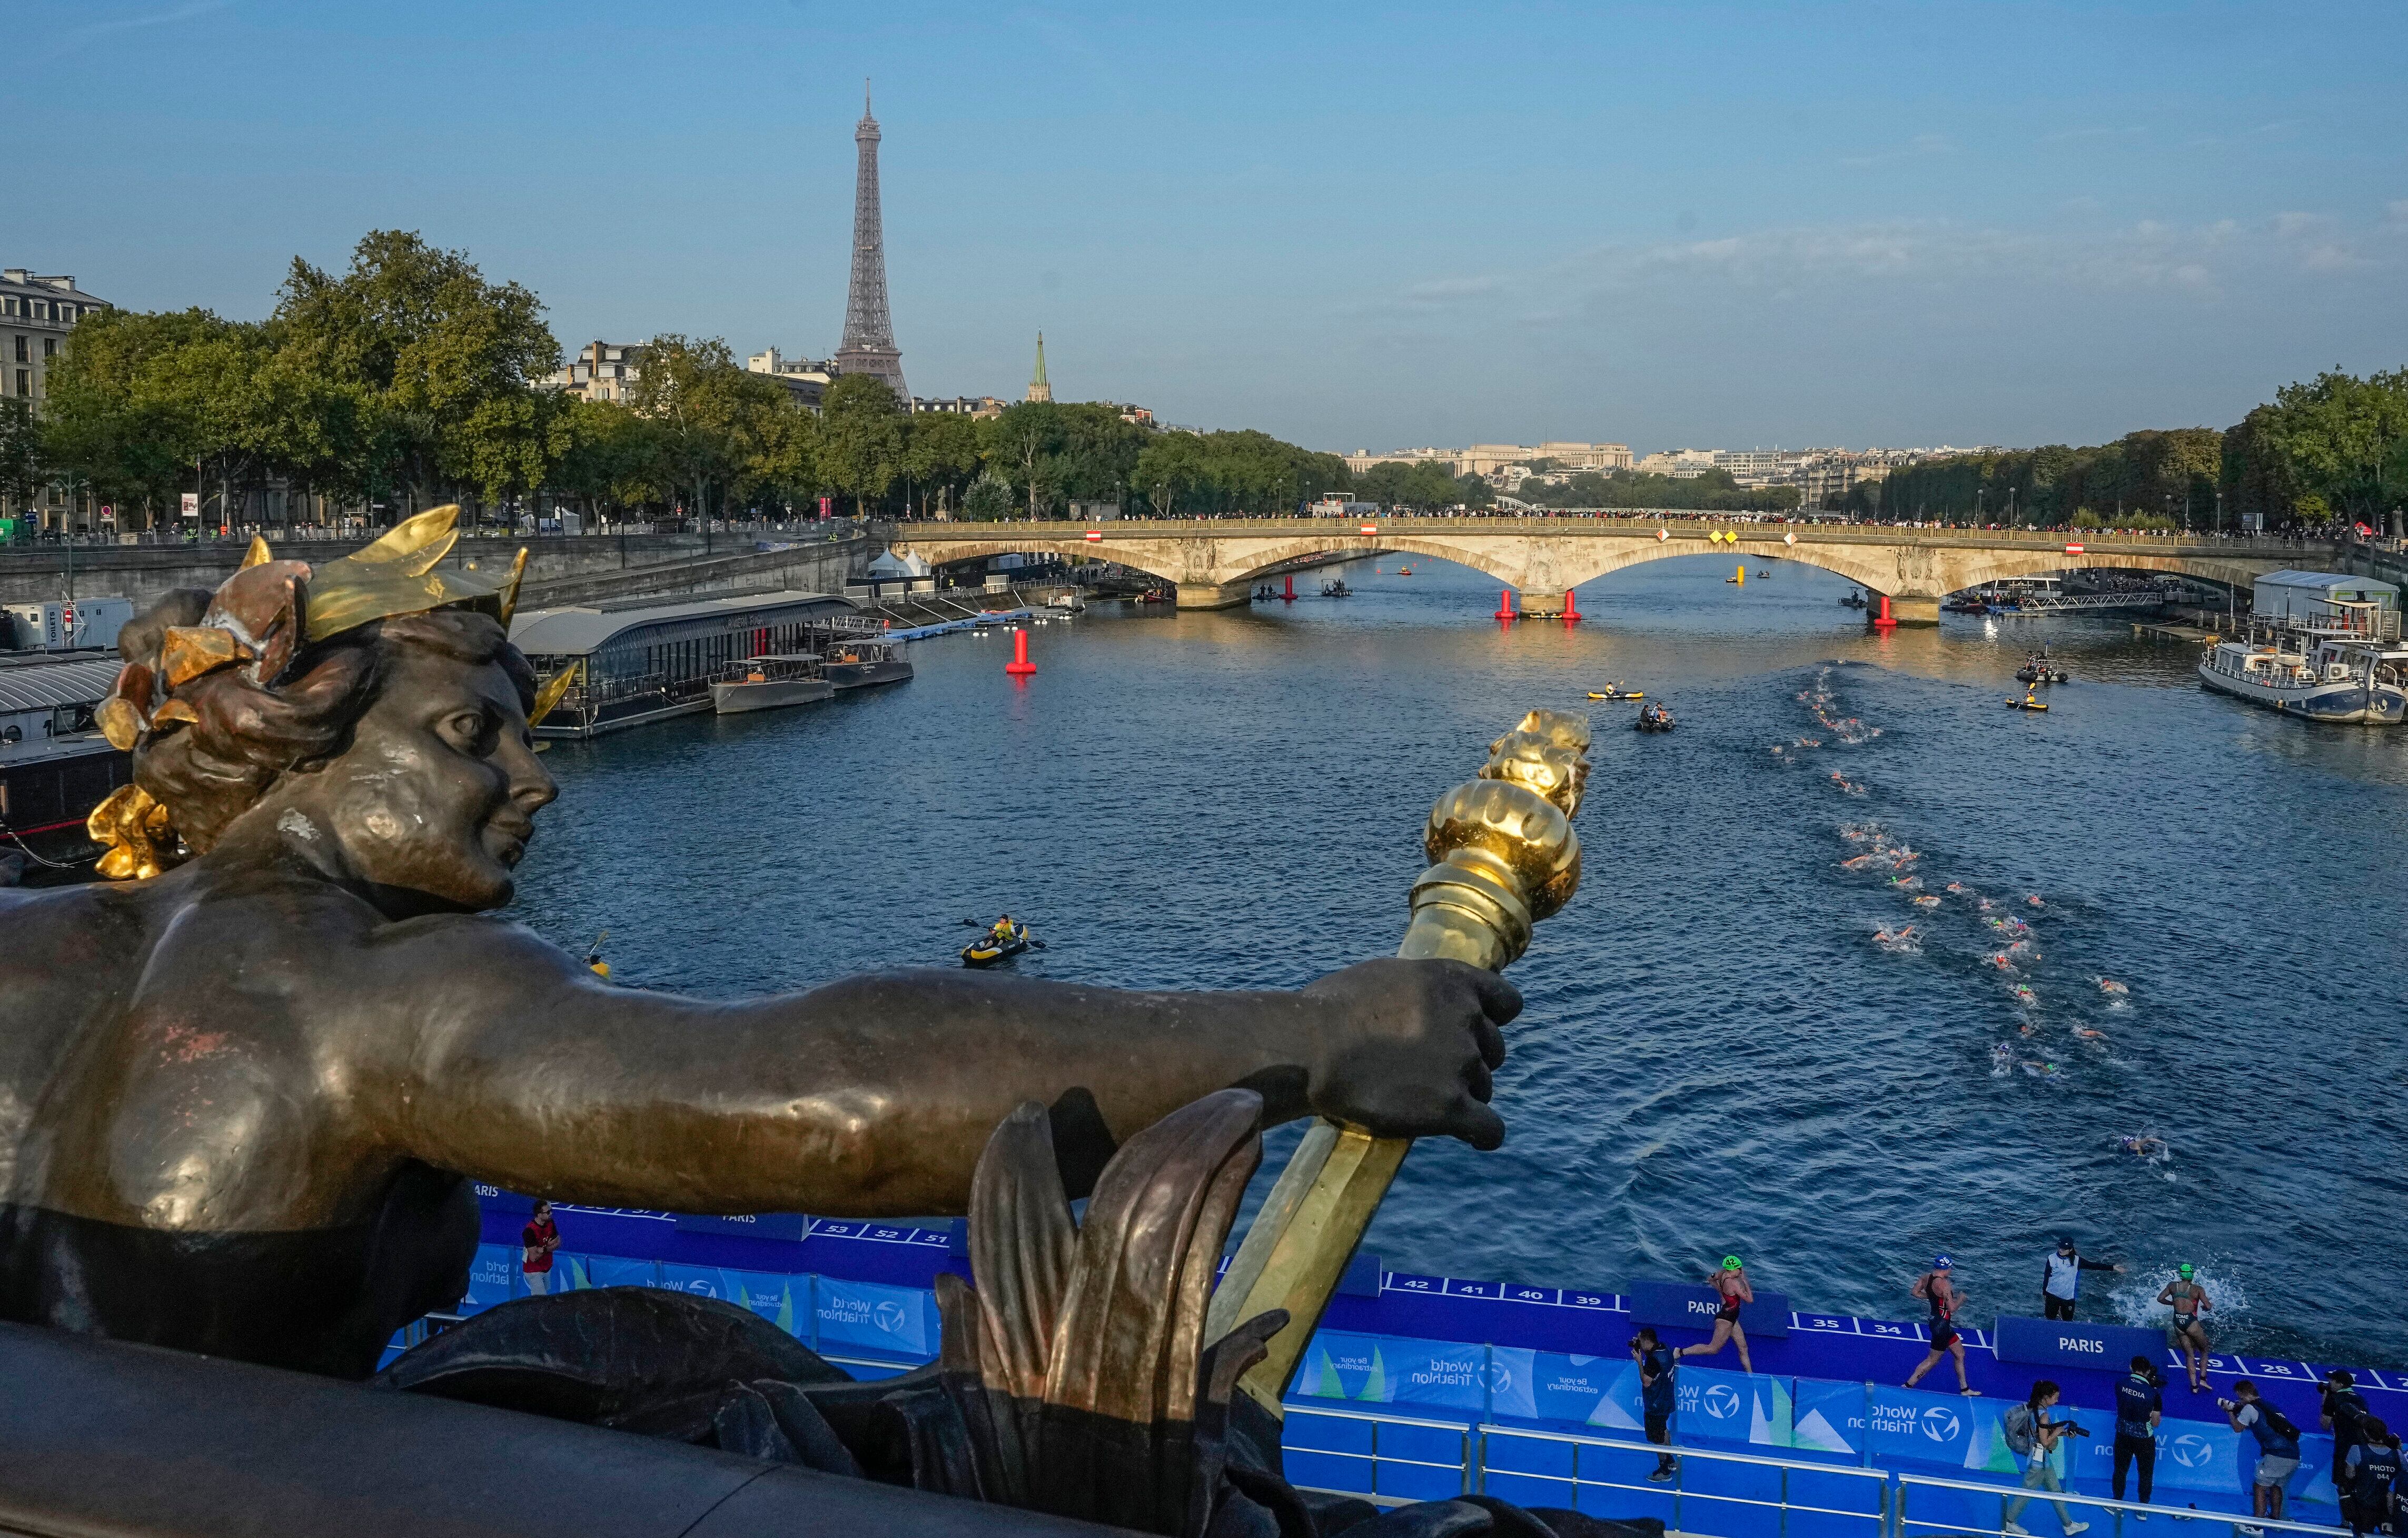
column 1216, row 563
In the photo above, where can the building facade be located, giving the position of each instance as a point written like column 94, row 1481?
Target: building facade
column 600, row 371
column 36, row 312
column 1510, row 461
column 805, row 379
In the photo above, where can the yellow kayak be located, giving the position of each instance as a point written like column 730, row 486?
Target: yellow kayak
column 1635, row 694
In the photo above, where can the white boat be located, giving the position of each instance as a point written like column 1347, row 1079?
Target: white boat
column 766, row 683
column 2321, row 644
column 2322, row 677
column 852, row 664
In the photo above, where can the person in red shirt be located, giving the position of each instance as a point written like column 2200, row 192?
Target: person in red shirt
column 537, row 1242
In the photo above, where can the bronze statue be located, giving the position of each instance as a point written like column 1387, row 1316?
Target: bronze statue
column 242, row 1094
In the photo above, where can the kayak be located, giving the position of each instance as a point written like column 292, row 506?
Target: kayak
column 986, row 950
column 2027, row 704
column 1616, row 694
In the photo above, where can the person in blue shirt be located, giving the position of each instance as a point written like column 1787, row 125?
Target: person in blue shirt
column 2372, row 1496
column 2138, row 1406
column 2278, row 1448
column 1656, row 1363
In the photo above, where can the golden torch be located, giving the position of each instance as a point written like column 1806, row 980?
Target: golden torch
column 1504, row 855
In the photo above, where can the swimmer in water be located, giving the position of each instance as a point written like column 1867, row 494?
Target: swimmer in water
column 2003, row 1058
column 1927, row 902
column 2145, row 1146
column 2042, row 1070
column 2000, row 961
column 2110, row 985
column 2083, row 1033
column 1956, row 886
column 2034, row 899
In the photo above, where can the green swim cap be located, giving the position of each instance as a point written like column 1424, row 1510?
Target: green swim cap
column 2183, row 1269
column 1730, row 1262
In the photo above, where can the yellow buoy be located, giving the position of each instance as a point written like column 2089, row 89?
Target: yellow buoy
column 1741, row 577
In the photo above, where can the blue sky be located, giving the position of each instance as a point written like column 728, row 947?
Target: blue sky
column 1354, row 227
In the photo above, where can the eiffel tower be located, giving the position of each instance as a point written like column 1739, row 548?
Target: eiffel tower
column 868, row 345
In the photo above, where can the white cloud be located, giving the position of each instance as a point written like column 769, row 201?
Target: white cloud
column 92, row 30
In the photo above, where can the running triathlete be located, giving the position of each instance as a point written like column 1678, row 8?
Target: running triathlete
column 1730, row 1284
column 2188, row 1300
column 1936, row 1287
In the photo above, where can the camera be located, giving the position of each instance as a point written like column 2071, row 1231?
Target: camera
column 2227, row 1406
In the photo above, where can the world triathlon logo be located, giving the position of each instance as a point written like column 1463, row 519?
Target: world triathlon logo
column 890, row 1316
column 1940, row 1423
column 2191, row 1452
column 1498, row 1377
column 1720, row 1401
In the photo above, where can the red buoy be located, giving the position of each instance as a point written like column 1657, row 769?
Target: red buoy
column 1020, row 666
column 1882, row 620
column 1289, row 596
column 1572, row 607
column 1505, row 610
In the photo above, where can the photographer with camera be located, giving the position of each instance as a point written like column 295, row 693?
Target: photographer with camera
column 2140, row 1405
column 2370, row 1499
column 2035, row 1437
column 2343, row 1412
column 1655, row 1360
column 2278, row 1449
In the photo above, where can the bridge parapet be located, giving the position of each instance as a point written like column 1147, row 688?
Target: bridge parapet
column 1214, row 560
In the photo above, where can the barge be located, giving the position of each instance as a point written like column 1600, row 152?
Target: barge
column 642, row 661
column 55, row 764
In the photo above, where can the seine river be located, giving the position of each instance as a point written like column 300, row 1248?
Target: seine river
column 1718, row 1053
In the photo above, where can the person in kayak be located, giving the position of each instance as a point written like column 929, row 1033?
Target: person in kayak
column 2188, row 1300
column 1938, row 1288
column 1730, row 1285
column 1000, row 932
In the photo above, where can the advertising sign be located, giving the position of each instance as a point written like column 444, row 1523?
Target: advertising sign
column 893, row 1321
column 788, row 1226
column 1661, row 1303
column 192, row 504
column 1395, row 1370
column 1595, row 1391
column 2063, row 1343
column 783, row 1301
column 1752, row 1408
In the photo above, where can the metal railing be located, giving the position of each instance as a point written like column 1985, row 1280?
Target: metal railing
column 1888, row 1511
column 1907, row 1525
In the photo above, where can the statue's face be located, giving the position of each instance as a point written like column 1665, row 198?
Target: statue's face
column 437, row 793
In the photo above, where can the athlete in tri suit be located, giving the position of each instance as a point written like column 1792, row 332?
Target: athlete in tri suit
column 1730, row 1283
column 1936, row 1287
column 2188, row 1300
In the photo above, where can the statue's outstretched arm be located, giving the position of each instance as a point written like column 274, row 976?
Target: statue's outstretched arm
column 874, row 1095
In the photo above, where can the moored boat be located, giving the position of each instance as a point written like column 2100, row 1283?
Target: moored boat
column 766, row 683
column 857, row 664
column 2321, row 678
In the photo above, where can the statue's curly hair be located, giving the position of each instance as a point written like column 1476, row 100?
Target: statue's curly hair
column 248, row 736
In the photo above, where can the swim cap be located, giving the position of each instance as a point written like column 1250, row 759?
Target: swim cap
column 1730, row 1262
column 2183, row 1269
column 1941, row 1262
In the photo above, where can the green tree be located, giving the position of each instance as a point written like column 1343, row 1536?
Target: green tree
column 718, row 427
column 2338, row 433
column 616, row 459
column 862, row 433
column 24, row 462
column 940, row 456
column 988, row 499
column 442, row 365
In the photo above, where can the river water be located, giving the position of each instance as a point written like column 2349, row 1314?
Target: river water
column 1718, row 1053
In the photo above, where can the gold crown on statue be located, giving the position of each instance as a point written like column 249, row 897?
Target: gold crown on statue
column 262, row 619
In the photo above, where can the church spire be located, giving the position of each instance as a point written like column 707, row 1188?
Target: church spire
column 1038, row 387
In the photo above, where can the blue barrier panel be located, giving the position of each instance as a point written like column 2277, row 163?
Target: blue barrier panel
column 887, row 1321
column 1618, row 1504
column 1715, row 1499
column 784, row 1300
column 1412, row 1481
column 608, row 1271
column 1694, row 1308
column 494, row 1277
column 1527, row 1489
column 2064, row 1342
column 1327, row 1471
column 1851, row 1507
column 1394, row 1370
column 2194, row 1456
column 1305, row 1432
column 1600, row 1392
column 1951, row 1512
column 1827, row 1416
column 1536, row 1455
column 492, row 1199
column 792, row 1227
column 1749, row 1408
column 1909, row 1427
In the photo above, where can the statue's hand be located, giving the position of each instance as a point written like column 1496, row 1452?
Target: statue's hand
column 1405, row 1048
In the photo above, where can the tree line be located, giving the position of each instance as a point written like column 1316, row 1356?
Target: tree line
column 2331, row 451
column 410, row 378
column 1711, row 491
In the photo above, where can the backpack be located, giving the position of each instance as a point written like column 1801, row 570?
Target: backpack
column 2280, row 1422
column 2022, row 1429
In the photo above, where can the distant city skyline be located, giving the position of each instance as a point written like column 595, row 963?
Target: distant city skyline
column 1706, row 227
